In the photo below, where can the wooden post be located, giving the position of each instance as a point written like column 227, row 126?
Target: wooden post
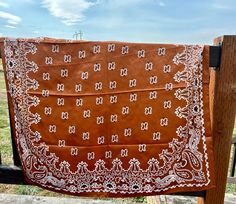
column 223, row 109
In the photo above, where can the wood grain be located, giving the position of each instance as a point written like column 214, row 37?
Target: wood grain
column 223, row 109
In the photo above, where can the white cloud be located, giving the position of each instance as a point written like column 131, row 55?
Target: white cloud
column 10, row 26
column 35, row 31
column 70, row 12
column 3, row 4
column 161, row 3
column 10, row 18
column 221, row 6
column 224, row 5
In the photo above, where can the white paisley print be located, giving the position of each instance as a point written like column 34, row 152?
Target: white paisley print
column 180, row 164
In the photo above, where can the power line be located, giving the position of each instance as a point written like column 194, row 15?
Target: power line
column 78, row 34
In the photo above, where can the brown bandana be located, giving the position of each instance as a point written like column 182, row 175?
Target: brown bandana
column 110, row 118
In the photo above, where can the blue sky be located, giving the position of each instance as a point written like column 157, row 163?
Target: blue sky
column 160, row 21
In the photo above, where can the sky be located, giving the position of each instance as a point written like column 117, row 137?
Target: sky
column 155, row 21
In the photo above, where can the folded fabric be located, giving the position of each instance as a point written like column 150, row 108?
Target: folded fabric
column 110, row 118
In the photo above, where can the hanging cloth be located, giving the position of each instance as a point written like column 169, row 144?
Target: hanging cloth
column 110, row 118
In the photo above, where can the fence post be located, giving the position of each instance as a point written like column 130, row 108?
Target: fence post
column 223, row 109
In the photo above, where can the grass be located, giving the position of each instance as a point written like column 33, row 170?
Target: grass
column 5, row 139
column 231, row 188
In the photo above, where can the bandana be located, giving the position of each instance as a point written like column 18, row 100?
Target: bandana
column 110, row 118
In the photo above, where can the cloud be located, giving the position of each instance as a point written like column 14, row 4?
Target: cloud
column 35, row 31
column 10, row 26
column 10, row 18
column 3, row 4
column 224, row 5
column 221, row 6
column 70, row 12
column 161, row 3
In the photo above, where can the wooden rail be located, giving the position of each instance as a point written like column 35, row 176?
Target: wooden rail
column 215, row 56
column 11, row 175
column 223, row 109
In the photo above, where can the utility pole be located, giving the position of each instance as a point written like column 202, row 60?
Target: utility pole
column 78, row 34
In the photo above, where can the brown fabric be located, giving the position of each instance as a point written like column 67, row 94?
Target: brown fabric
column 110, row 118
